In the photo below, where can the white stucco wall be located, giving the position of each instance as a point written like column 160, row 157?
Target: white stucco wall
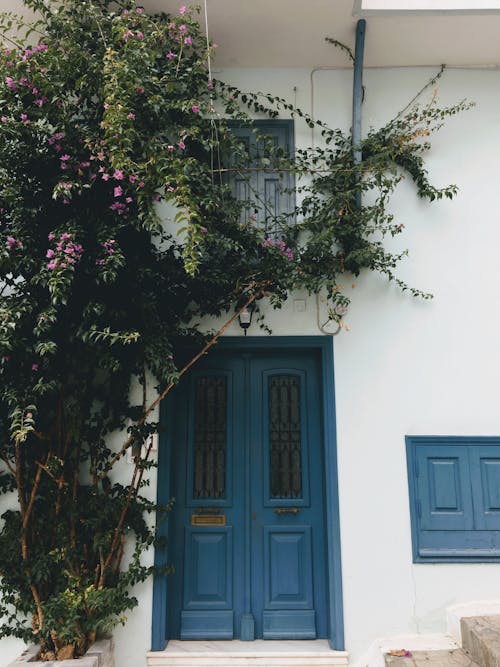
column 406, row 366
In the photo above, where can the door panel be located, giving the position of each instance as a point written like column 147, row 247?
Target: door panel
column 288, row 572
column 288, row 550
column 248, row 527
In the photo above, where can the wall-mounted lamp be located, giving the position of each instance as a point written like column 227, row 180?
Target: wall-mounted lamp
column 245, row 317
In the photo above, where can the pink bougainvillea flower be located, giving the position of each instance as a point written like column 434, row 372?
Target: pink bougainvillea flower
column 188, row 41
column 139, row 10
column 181, row 144
column 141, row 184
column 118, row 191
column 132, row 178
column 11, row 242
column 118, row 175
column 195, row 108
column 50, row 253
column 128, row 35
column 129, row 200
column 10, row 83
column 156, row 197
column 140, row 35
column 52, row 264
column 182, row 10
column 34, row 367
column 4, row 119
column 170, row 148
column 99, row 262
column 105, row 177
column 106, row 105
column 65, row 236
column 51, row 236
column 24, row 117
column 182, row 28
column 131, row 115
column 170, row 55
column 65, row 157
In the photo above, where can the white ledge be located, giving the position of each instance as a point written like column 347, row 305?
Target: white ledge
column 265, row 653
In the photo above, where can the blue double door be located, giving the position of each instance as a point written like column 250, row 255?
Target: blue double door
column 247, row 530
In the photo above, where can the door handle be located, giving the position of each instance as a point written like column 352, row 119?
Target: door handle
column 286, row 510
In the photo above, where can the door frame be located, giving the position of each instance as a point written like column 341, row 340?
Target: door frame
column 324, row 346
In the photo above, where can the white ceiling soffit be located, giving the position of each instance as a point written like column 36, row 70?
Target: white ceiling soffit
column 291, row 33
column 402, row 7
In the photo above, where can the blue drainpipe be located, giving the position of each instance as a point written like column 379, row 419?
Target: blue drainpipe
column 357, row 95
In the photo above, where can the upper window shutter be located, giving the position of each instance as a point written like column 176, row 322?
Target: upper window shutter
column 270, row 193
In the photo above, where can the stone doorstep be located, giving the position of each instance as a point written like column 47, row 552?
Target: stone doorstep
column 236, row 653
column 256, row 661
column 99, row 654
column 481, row 639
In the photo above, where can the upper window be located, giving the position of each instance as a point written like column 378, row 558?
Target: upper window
column 268, row 193
column 454, row 498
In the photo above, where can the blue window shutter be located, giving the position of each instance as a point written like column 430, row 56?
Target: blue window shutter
column 270, row 193
column 485, row 477
column 454, row 484
column 443, row 488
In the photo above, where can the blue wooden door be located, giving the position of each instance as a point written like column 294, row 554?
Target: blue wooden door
column 248, row 526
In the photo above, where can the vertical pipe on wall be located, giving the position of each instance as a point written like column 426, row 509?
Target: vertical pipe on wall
column 357, row 96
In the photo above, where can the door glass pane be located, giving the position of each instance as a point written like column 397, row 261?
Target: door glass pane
column 210, row 438
column 284, row 436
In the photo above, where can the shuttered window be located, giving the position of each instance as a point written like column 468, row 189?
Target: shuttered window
column 269, row 194
column 454, row 485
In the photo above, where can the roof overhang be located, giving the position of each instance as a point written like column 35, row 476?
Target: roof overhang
column 424, row 7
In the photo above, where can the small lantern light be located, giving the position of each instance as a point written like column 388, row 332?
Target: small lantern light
column 245, row 317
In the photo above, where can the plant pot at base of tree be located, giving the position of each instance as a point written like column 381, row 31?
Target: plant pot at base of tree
column 99, row 654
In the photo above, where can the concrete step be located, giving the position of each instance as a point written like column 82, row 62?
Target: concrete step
column 455, row 658
column 481, row 639
column 259, row 653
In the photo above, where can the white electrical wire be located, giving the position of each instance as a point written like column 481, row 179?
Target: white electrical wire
column 209, row 62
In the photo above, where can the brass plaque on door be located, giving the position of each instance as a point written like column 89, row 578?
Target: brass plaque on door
column 208, row 519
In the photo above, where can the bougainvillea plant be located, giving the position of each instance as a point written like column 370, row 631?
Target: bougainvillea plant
column 107, row 115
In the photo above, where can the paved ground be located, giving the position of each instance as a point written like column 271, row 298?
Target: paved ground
column 456, row 658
